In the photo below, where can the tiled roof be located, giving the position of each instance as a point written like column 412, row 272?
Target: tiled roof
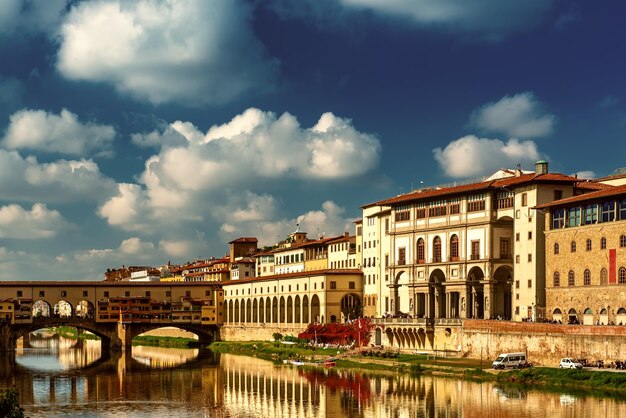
column 244, row 239
column 477, row 187
column 592, row 196
column 592, row 185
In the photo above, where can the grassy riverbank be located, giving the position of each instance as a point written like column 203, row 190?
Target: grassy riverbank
column 71, row 332
column 584, row 382
column 161, row 341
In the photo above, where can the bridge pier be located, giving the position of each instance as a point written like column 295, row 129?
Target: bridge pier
column 124, row 339
column 7, row 337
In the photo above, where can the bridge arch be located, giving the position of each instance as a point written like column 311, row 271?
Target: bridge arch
column 41, row 308
column 63, row 309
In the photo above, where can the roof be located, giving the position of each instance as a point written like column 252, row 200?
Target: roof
column 244, row 239
column 592, row 185
column 496, row 184
column 587, row 197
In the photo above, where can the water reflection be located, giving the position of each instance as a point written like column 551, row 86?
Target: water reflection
column 178, row 382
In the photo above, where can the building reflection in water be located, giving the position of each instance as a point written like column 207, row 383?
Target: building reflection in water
column 160, row 382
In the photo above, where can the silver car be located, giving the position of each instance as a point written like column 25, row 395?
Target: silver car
column 569, row 363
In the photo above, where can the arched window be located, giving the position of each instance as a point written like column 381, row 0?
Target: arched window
column 588, row 245
column 556, row 248
column 454, row 247
column 557, row 279
column 420, row 251
column 437, row 250
column 573, row 246
column 621, row 276
column 604, row 277
column 622, row 241
column 587, row 278
column 571, row 280
column 603, row 243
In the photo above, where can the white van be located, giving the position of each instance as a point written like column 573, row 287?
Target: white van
column 514, row 360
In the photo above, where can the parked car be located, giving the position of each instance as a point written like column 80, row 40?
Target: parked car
column 569, row 363
column 512, row 360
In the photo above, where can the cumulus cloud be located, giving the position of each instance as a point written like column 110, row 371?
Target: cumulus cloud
column 187, row 51
column 30, row 17
column 39, row 222
column 493, row 17
column 25, row 179
column 252, row 151
column 520, row 116
column 64, row 133
column 471, row 156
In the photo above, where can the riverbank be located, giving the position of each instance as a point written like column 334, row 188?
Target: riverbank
column 583, row 382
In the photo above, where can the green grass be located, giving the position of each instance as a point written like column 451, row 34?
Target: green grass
column 158, row 341
column 71, row 332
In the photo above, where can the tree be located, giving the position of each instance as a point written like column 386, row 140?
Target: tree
column 9, row 406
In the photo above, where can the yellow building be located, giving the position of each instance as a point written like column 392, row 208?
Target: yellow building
column 7, row 311
column 586, row 258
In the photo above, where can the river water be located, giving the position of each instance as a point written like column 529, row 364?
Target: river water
column 55, row 378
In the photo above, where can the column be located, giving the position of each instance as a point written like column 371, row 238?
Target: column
column 448, row 307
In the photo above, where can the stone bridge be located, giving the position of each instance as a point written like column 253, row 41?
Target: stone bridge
column 116, row 311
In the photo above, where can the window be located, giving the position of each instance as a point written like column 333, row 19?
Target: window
column 571, row 280
column 603, row 243
column 607, row 211
column 588, row 245
column 350, row 285
column 401, row 256
column 168, row 293
column 590, row 215
column 476, row 203
column 530, row 283
column 188, row 293
column 505, row 251
column 127, row 293
column 333, row 285
column 476, row 250
column 19, row 293
column 504, row 200
column 530, row 234
column 106, row 293
column 587, row 278
column 573, row 217
column 517, row 258
column 517, row 236
column 359, row 230
column 403, row 213
column 454, row 248
column 42, row 293
column 622, row 209
column 573, row 246
column 148, row 294
column 386, row 225
column 530, row 257
column 604, row 277
column 556, row 248
column 556, row 279
column 420, row 212
column 524, row 199
column 63, row 293
column 371, row 221
column 622, row 241
column 85, row 293
column 517, row 284
column 437, row 208
column 558, row 194
column 621, row 276
column 558, row 218
column 437, row 250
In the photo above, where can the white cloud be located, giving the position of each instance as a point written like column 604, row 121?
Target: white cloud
column 25, row 179
column 471, row 156
column 29, row 17
column 64, row 133
column 488, row 16
column 187, row 51
column 519, row 116
column 256, row 150
column 39, row 222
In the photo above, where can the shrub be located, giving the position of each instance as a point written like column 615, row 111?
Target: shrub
column 9, row 406
column 277, row 336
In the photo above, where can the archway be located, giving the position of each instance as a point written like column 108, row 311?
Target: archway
column 572, row 318
column 282, row 310
column 261, row 310
column 475, row 294
column 255, row 311
column 604, row 316
column 620, row 319
column 297, row 310
column 275, row 310
column 305, row 309
column 41, row 309
column 351, row 307
column 248, row 311
column 437, row 294
column 63, row 309
column 402, row 295
column 315, row 309
column 85, row 309
column 236, row 310
column 588, row 317
column 502, row 300
column 289, row 310
column 557, row 315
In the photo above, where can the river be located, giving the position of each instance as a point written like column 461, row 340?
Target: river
column 55, row 378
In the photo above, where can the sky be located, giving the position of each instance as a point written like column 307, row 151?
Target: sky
column 143, row 132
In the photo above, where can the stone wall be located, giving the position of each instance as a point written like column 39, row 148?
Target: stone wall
column 545, row 344
column 255, row 333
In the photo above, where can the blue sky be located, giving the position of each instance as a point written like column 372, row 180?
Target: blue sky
column 140, row 132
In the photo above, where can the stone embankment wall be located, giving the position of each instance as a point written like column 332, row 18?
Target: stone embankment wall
column 545, row 344
column 255, row 333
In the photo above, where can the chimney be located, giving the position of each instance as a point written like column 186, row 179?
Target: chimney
column 541, row 167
